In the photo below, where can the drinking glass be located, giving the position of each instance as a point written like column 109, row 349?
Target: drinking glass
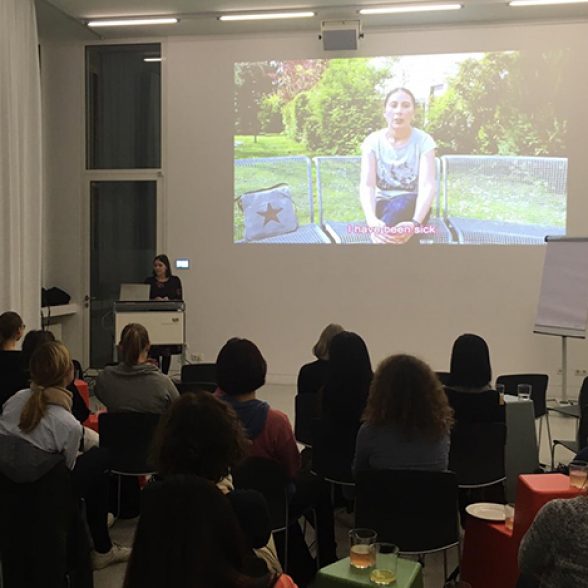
column 362, row 551
column 509, row 512
column 385, row 571
column 500, row 390
column 578, row 471
column 524, row 391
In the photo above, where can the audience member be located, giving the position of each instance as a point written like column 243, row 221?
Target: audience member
column 344, row 396
column 202, row 435
column 552, row 553
column 42, row 416
column 312, row 376
column 135, row 384
column 12, row 378
column 241, row 370
column 188, row 536
column 407, row 419
column 469, row 390
column 34, row 339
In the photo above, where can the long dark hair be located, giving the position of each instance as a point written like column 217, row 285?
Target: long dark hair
column 406, row 393
column 349, row 375
column 165, row 260
column 470, row 362
column 188, row 537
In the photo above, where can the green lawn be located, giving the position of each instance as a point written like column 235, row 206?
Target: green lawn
column 524, row 198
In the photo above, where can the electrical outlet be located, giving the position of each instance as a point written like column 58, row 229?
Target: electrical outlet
column 197, row 357
column 581, row 372
column 559, row 372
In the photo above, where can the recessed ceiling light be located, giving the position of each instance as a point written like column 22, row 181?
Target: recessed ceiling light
column 266, row 16
column 519, row 3
column 131, row 22
column 153, row 59
column 403, row 8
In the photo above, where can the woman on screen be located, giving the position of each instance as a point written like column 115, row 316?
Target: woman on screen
column 398, row 183
column 164, row 286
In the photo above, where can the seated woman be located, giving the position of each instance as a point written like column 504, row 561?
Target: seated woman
column 407, row 419
column 345, row 394
column 312, row 376
column 552, row 553
column 41, row 415
column 469, row 389
column 135, row 384
column 34, row 339
column 12, row 378
column 241, row 371
column 202, row 435
column 188, row 535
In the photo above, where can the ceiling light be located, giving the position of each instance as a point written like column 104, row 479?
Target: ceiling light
column 518, row 3
column 153, row 59
column 130, row 22
column 402, row 8
column 265, row 16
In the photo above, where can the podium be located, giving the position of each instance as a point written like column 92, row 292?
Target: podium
column 164, row 320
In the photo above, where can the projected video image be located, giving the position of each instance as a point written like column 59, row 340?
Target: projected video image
column 421, row 150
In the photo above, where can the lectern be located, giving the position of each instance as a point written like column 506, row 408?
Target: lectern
column 163, row 319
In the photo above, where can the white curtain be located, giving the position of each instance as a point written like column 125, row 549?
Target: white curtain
column 20, row 161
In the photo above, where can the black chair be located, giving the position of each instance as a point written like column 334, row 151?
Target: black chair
column 538, row 383
column 477, row 454
column 416, row 510
column 479, row 407
column 581, row 410
column 307, row 408
column 443, row 377
column 270, row 479
column 202, row 375
column 128, row 436
column 43, row 543
column 332, row 456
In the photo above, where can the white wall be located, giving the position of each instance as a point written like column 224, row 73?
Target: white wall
column 399, row 299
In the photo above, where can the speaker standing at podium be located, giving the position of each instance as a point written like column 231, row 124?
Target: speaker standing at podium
column 164, row 286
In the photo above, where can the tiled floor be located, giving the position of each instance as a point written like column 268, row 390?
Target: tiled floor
column 282, row 398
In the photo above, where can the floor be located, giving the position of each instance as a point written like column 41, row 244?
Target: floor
column 282, row 398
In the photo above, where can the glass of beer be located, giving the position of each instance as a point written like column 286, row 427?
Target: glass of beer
column 524, row 391
column 578, row 471
column 385, row 572
column 362, row 551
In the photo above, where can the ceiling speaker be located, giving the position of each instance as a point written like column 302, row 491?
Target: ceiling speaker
column 340, row 35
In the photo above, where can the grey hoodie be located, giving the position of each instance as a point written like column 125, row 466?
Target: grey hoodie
column 137, row 388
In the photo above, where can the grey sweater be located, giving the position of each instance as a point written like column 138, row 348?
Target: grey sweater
column 555, row 548
column 137, row 388
column 383, row 447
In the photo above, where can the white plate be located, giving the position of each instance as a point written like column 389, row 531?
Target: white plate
column 487, row 511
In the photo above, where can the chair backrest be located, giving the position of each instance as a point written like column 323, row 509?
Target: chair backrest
column 78, row 371
column 416, row 510
column 583, row 424
column 443, row 377
column 199, row 372
column 478, row 407
column 538, row 391
column 36, row 519
column 269, row 479
column 128, row 436
column 332, row 453
column 307, row 407
column 477, row 453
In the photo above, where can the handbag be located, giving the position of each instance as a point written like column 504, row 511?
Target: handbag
column 268, row 212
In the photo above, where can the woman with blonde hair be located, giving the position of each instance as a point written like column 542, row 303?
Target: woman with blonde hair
column 41, row 415
column 407, row 419
column 312, row 376
column 135, row 384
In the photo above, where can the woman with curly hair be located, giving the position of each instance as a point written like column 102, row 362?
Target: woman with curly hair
column 407, row 419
